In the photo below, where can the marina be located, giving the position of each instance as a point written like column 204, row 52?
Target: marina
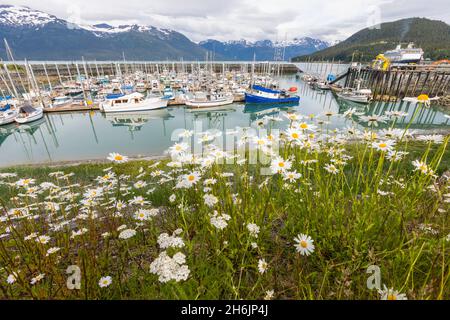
column 90, row 134
column 234, row 151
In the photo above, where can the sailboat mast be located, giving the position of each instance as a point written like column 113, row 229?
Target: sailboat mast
column 48, row 79
column 12, row 83
column 11, row 57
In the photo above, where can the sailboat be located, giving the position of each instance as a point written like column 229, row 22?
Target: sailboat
column 7, row 115
column 27, row 114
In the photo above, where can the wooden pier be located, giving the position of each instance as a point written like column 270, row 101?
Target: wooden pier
column 72, row 108
column 397, row 83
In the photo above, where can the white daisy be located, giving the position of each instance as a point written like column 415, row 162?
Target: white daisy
column 117, row 158
column 279, row 165
column 262, row 266
column 304, row 244
column 105, row 282
column 391, row 294
column 385, row 145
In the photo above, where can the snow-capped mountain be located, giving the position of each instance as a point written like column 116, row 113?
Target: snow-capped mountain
column 16, row 16
column 37, row 35
column 264, row 49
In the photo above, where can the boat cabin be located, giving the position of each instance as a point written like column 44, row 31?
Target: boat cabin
column 121, row 99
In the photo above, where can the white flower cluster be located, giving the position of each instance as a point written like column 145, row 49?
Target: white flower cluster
column 127, row 234
column 210, row 200
column 165, row 241
column 170, row 268
column 253, row 229
column 219, row 221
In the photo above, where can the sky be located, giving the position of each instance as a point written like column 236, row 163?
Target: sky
column 328, row 20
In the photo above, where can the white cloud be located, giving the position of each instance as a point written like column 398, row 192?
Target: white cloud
column 248, row 19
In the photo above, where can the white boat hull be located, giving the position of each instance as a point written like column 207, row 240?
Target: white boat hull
column 357, row 99
column 38, row 114
column 209, row 104
column 7, row 117
column 147, row 104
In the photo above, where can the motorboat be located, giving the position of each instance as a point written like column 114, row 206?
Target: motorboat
column 261, row 94
column 321, row 85
column 28, row 113
column 141, row 87
column 7, row 115
column 168, row 93
column 62, row 101
column 131, row 102
column 355, row 95
column 207, row 100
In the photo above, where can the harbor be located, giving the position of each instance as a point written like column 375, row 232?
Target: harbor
column 56, row 138
column 234, row 151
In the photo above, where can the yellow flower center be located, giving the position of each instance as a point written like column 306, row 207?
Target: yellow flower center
column 423, row 98
column 304, row 126
column 303, row 244
column 392, row 297
column 191, row 178
column 295, row 135
column 382, row 145
column 118, row 157
column 281, row 164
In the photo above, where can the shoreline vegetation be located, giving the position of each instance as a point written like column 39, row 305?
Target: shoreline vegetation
column 144, row 158
column 307, row 224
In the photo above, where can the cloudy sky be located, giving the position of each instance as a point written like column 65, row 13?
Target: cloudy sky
column 244, row 19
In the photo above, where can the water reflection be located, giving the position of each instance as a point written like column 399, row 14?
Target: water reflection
column 259, row 111
column 92, row 135
column 134, row 121
column 425, row 118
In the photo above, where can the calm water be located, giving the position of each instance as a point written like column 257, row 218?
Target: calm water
column 79, row 136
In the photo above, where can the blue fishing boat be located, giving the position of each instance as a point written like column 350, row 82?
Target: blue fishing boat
column 5, row 98
column 168, row 94
column 5, row 107
column 261, row 94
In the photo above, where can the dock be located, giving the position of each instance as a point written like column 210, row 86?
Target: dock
column 396, row 83
column 177, row 102
column 71, row 108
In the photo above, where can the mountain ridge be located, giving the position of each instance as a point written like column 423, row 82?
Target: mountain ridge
column 432, row 35
column 263, row 49
column 37, row 35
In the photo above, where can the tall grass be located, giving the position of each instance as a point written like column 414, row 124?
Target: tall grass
column 366, row 210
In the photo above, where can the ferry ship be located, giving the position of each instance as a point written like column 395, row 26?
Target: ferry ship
column 406, row 55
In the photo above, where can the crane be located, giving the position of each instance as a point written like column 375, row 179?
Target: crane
column 381, row 62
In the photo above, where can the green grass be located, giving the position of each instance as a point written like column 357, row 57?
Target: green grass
column 352, row 225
